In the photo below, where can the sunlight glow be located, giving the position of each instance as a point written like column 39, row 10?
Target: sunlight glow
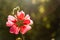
column 33, row 1
column 43, row 1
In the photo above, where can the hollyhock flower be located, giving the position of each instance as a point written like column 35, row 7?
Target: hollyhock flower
column 19, row 23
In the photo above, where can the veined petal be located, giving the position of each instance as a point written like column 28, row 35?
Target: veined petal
column 9, row 23
column 12, row 18
column 20, row 15
column 14, row 29
column 24, row 29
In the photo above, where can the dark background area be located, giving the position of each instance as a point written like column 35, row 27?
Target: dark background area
column 45, row 15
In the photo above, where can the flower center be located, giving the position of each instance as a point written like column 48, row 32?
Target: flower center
column 19, row 23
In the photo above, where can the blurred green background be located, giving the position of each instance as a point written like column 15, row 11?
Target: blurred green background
column 44, row 13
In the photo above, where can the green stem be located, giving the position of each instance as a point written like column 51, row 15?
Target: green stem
column 23, row 37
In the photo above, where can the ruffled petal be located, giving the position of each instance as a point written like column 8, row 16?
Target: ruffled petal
column 14, row 29
column 24, row 29
column 9, row 23
column 12, row 18
column 20, row 15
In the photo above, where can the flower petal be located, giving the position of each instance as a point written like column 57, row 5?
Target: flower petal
column 31, row 22
column 27, row 17
column 12, row 18
column 14, row 29
column 26, row 22
column 24, row 29
column 20, row 15
column 9, row 23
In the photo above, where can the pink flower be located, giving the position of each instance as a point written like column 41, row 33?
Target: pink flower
column 25, row 28
column 20, row 15
column 9, row 23
column 12, row 18
column 19, row 23
column 14, row 29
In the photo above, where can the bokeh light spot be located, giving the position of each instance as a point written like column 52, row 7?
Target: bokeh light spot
column 45, row 19
column 41, row 9
column 18, row 38
column 48, row 26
